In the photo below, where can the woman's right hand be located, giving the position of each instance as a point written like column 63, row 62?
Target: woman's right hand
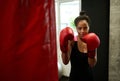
column 65, row 35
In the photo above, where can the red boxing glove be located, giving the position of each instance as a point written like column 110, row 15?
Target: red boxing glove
column 93, row 42
column 65, row 35
column 91, row 54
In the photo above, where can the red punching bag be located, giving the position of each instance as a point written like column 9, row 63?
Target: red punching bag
column 28, row 41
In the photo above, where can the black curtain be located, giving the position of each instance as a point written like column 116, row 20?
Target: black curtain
column 98, row 11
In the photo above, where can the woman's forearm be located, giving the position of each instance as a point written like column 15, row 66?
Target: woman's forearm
column 65, row 58
column 92, row 61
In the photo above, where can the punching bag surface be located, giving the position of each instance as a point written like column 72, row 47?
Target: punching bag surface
column 28, row 41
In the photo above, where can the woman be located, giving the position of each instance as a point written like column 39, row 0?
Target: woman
column 77, row 52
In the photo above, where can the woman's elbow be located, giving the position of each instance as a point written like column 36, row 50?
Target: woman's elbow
column 65, row 62
column 65, row 58
column 92, row 65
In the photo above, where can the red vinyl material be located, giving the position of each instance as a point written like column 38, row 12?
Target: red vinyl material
column 28, row 40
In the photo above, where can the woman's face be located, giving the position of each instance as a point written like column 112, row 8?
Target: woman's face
column 82, row 28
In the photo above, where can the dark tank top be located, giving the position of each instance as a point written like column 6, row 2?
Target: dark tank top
column 80, row 70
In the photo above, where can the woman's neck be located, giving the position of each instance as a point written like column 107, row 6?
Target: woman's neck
column 82, row 46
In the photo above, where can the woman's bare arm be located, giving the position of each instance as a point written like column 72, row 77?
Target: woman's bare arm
column 66, row 56
column 92, row 61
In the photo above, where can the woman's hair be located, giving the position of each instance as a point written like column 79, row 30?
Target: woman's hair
column 82, row 16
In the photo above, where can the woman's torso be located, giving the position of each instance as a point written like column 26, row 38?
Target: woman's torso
column 80, row 70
